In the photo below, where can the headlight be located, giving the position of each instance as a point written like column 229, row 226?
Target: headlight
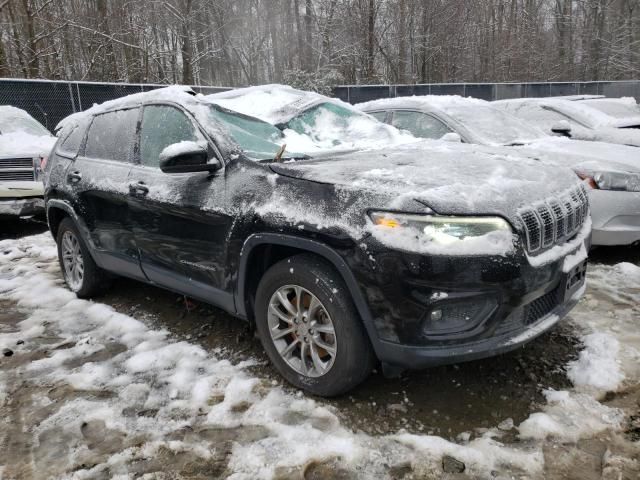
column 443, row 234
column 621, row 181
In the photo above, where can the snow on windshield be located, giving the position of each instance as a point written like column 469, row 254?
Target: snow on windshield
column 311, row 121
column 22, row 135
column 259, row 140
column 14, row 120
column 331, row 125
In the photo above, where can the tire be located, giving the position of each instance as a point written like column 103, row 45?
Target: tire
column 344, row 358
column 92, row 280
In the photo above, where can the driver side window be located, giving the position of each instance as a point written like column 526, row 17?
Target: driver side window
column 420, row 124
column 163, row 125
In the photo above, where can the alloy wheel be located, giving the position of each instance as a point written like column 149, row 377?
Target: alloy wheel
column 72, row 260
column 302, row 330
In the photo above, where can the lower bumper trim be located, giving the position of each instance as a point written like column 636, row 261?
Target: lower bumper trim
column 418, row 357
column 21, row 207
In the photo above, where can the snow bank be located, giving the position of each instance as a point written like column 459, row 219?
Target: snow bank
column 156, row 394
column 568, row 417
column 598, row 365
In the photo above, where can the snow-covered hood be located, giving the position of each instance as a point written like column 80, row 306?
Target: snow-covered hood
column 20, row 144
column 579, row 153
column 463, row 179
column 620, row 136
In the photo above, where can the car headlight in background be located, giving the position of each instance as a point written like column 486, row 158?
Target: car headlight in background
column 441, row 230
column 621, row 181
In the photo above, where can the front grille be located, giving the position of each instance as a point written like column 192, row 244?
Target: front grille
column 6, row 163
column 542, row 306
column 555, row 221
column 16, row 176
column 16, row 169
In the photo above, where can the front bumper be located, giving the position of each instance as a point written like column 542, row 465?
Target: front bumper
column 21, row 207
column 496, row 303
column 413, row 357
column 615, row 216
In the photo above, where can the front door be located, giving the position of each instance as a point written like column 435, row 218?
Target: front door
column 178, row 220
column 98, row 176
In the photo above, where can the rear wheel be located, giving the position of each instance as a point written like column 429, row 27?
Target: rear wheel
column 310, row 328
column 80, row 272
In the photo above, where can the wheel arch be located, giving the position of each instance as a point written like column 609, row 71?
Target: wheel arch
column 285, row 246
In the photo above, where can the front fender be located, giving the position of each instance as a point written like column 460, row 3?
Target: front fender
column 311, row 246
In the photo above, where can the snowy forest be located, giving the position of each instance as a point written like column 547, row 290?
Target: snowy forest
column 316, row 43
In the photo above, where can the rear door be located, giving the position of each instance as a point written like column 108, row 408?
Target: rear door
column 178, row 219
column 98, row 180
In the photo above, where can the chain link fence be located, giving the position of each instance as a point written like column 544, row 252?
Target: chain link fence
column 50, row 101
column 490, row 91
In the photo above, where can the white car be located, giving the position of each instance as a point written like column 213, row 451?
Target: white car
column 612, row 171
column 586, row 117
column 24, row 147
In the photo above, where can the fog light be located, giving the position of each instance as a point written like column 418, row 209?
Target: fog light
column 458, row 315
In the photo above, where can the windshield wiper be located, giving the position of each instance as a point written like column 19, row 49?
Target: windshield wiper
column 278, row 157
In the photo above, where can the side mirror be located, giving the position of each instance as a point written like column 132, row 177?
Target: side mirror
column 562, row 128
column 186, row 157
column 451, row 137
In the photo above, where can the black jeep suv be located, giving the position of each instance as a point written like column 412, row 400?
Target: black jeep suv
column 413, row 256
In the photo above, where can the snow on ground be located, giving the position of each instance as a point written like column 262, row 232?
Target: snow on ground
column 136, row 396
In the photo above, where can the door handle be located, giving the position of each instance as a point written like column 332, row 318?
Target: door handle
column 74, row 177
column 139, row 189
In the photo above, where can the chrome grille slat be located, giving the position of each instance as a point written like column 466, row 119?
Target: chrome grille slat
column 6, row 163
column 555, row 221
column 17, row 176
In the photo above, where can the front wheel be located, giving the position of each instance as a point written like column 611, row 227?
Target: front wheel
column 310, row 328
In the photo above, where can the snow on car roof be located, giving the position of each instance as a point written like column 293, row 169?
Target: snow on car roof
column 273, row 103
column 474, row 119
column 430, row 102
column 175, row 93
column 580, row 109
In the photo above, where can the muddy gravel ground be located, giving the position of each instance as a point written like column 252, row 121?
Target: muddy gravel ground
column 455, row 401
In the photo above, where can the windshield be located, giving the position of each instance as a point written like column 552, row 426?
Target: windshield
column 329, row 124
column 615, row 109
column 15, row 122
column 259, row 140
column 494, row 126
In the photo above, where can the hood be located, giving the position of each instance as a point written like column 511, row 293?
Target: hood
column 620, row 136
column 20, row 144
column 460, row 179
column 580, row 153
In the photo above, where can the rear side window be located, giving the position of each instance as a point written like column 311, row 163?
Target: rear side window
column 420, row 124
column 112, row 135
column 380, row 116
column 163, row 125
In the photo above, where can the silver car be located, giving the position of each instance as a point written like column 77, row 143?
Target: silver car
column 594, row 118
column 611, row 171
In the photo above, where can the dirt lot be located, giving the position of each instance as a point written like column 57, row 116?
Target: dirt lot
column 459, row 403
